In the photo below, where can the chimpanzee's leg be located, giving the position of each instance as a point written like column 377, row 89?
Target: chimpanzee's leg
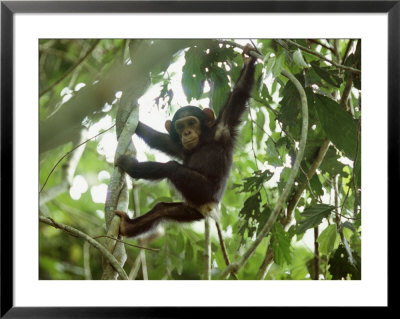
column 179, row 212
column 194, row 186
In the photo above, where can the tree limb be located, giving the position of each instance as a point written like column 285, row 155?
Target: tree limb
column 340, row 66
column 68, row 171
column 73, row 159
column 278, row 207
column 223, row 248
column 295, row 198
column 68, row 72
column 285, row 221
column 57, row 129
column 77, row 233
column 117, row 191
column 207, row 249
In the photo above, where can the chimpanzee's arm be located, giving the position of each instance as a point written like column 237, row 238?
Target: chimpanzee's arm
column 159, row 141
column 229, row 116
column 194, row 186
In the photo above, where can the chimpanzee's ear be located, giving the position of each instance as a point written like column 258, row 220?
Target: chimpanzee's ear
column 168, row 125
column 209, row 113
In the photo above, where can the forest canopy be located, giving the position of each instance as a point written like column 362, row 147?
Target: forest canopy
column 93, row 91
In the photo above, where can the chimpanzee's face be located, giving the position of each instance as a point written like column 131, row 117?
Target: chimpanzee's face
column 189, row 130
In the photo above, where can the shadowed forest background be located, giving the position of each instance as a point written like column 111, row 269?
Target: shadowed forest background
column 89, row 91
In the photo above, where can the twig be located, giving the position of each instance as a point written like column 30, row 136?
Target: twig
column 135, row 268
column 126, row 243
column 316, row 163
column 67, row 172
column 117, row 191
column 86, row 261
column 66, row 154
column 207, row 249
column 252, row 139
column 346, row 91
column 223, row 248
column 67, row 73
column 316, row 254
column 309, row 186
column 142, row 255
column 278, row 207
column 339, row 223
column 323, row 45
column 340, row 66
column 348, row 47
column 79, row 234
column 347, row 217
column 353, row 181
column 266, row 263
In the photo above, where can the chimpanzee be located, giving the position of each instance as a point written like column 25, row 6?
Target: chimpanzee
column 205, row 147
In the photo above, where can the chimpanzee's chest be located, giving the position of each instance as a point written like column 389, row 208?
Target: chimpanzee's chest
column 212, row 160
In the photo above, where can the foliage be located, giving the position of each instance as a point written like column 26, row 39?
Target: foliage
column 203, row 73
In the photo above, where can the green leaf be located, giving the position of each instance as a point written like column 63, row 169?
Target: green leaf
column 260, row 120
column 255, row 182
column 189, row 252
column 316, row 186
column 281, row 245
column 313, row 216
column 340, row 267
column 264, row 216
column 328, row 239
column 338, row 125
column 270, row 65
column 290, row 109
column 251, row 213
column 219, row 88
column 348, row 225
column 299, row 60
column 272, row 154
column 219, row 258
column 331, row 165
column 278, row 65
column 283, row 178
column 192, row 74
column 329, row 77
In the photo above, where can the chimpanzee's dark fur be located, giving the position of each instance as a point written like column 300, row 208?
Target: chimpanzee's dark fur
column 202, row 176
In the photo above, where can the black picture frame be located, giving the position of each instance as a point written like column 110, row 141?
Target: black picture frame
column 9, row 8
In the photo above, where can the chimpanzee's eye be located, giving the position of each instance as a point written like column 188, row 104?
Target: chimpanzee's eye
column 179, row 127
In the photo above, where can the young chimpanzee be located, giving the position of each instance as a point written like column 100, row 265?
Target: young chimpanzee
column 205, row 146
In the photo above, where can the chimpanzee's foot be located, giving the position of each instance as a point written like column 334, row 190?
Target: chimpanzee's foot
column 125, row 220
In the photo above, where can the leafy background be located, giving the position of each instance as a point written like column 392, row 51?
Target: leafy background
column 318, row 235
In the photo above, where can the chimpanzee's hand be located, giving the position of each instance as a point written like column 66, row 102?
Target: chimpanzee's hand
column 247, row 58
column 126, row 162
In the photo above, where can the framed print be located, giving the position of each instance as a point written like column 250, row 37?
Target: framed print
column 164, row 155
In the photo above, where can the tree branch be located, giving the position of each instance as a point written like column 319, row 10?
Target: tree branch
column 316, row 254
column 79, row 234
column 223, row 248
column 278, row 207
column 56, row 130
column 340, row 66
column 67, row 73
column 126, row 243
column 295, row 198
column 207, row 249
column 326, row 46
column 73, row 159
column 68, row 172
column 117, row 191
column 142, row 255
